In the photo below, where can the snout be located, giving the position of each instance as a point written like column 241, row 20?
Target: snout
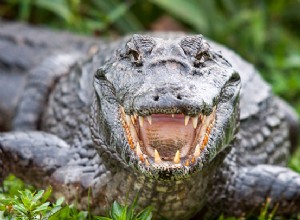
column 173, row 101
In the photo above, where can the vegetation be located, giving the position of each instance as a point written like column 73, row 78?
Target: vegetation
column 20, row 202
column 266, row 33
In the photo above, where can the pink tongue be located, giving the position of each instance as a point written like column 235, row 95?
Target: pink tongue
column 167, row 135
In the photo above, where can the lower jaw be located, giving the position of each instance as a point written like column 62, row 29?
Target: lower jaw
column 182, row 199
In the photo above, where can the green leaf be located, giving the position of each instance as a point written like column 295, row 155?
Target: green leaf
column 60, row 201
column 26, row 197
column 25, row 9
column 292, row 61
column 5, row 201
column 41, row 208
column 118, row 12
column 57, row 212
column 58, row 7
column 130, row 211
column 12, row 185
column 38, row 196
column 92, row 25
column 221, row 217
column 117, row 211
column 102, row 218
column 20, row 208
column 188, row 11
column 63, row 213
column 146, row 214
column 46, row 194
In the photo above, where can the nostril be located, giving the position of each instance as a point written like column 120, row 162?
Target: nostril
column 179, row 97
column 156, row 98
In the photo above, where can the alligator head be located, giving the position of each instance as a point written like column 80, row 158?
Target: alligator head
column 167, row 106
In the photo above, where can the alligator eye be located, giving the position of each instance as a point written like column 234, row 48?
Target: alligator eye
column 136, row 58
column 135, row 55
column 202, row 56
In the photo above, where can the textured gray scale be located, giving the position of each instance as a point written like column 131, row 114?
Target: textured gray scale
column 73, row 139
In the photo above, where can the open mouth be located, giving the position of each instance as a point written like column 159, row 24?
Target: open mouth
column 168, row 140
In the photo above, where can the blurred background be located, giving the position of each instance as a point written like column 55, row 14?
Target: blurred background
column 264, row 32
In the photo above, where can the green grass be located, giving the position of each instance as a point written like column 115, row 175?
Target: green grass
column 21, row 202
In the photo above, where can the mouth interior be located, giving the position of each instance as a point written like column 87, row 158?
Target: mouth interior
column 168, row 139
column 167, row 135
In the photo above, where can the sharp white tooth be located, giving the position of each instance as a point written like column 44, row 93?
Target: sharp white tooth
column 195, row 121
column 142, row 158
column 147, row 162
column 186, row 120
column 187, row 163
column 214, row 108
column 138, row 149
column 149, row 118
column 208, row 120
column 197, row 151
column 177, row 157
column 128, row 118
column 157, row 157
column 132, row 119
column 193, row 160
column 172, row 115
column 141, row 120
column 203, row 118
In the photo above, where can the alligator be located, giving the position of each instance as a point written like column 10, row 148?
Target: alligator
column 177, row 120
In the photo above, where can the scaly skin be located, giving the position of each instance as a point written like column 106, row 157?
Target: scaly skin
column 26, row 51
column 75, row 138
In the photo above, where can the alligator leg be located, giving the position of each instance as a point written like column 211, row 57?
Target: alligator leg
column 293, row 122
column 42, row 159
column 32, row 156
column 40, row 81
column 22, row 49
column 31, row 91
column 11, row 88
column 251, row 187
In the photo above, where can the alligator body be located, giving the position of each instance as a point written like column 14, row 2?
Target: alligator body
column 181, row 121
